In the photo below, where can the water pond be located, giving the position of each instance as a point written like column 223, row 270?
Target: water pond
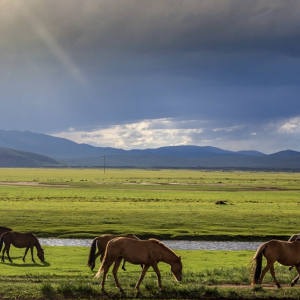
column 175, row 245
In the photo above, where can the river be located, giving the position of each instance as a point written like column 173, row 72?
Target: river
column 175, row 245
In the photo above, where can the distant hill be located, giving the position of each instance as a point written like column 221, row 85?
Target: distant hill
column 14, row 158
column 285, row 153
column 73, row 154
column 55, row 147
column 61, row 149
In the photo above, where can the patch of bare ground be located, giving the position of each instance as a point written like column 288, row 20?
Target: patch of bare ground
column 30, row 183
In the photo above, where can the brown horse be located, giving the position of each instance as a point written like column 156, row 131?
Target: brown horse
column 286, row 253
column 101, row 243
column 4, row 229
column 291, row 239
column 21, row 240
column 149, row 253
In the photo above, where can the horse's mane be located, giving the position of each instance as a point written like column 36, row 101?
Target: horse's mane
column 164, row 246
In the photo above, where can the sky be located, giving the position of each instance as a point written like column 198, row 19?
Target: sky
column 137, row 74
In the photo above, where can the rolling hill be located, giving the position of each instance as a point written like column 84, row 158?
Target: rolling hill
column 14, row 158
column 33, row 149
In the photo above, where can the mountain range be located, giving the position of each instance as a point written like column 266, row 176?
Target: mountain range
column 28, row 149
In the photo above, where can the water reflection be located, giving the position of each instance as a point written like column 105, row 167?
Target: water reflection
column 176, row 245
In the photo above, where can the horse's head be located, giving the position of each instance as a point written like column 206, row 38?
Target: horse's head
column 40, row 255
column 176, row 269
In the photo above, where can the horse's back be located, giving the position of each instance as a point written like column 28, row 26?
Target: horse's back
column 133, row 251
column 103, row 240
column 286, row 253
column 19, row 239
column 4, row 229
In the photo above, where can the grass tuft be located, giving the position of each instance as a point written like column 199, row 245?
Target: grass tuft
column 48, row 290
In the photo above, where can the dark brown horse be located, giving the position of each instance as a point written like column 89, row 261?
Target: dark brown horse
column 4, row 229
column 149, row 253
column 101, row 243
column 21, row 240
column 286, row 253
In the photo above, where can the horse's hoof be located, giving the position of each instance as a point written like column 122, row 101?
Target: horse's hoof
column 278, row 285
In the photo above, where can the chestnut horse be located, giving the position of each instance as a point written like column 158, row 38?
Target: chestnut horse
column 4, row 229
column 101, row 242
column 286, row 253
column 148, row 252
column 21, row 240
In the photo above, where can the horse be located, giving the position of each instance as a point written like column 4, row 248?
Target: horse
column 4, row 229
column 286, row 253
column 21, row 240
column 101, row 243
column 291, row 239
column 148, row 252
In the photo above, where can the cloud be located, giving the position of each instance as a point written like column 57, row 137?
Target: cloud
column 146, row 73
column 290, row 126
column 145, row 134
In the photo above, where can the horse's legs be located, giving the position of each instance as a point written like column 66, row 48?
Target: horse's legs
column 105, row 271
column 3, row 252
column 274, row 277
column 31, row 249
column 145, row 269
column 97, row 254
column 27, row 248
column 158, row 275
column 264, row 271
column 115, row 270
column 123, row 265
column 7, row 252
column 297, row 277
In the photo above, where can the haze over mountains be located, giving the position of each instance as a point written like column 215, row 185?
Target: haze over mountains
column 28, row 149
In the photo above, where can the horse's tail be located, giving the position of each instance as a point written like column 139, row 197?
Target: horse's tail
column 103, row 264
column 258, row 263
column 91, row 259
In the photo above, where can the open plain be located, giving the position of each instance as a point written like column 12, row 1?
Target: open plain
column 162, row 204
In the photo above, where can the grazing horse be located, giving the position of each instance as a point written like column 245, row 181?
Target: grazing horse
column 286, row 253
column 21, row 240
column 4, row 229
column 148, row 252
column 101, row 243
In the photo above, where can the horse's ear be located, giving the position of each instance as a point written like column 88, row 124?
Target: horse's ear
column 179, row 257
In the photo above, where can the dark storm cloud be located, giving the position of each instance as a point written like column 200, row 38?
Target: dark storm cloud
column 93, row 63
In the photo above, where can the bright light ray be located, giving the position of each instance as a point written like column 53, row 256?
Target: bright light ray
column 42, row 33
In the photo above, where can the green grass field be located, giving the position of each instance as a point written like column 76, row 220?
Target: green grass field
column 205, row 273
column 166, row 204
column 170, row 204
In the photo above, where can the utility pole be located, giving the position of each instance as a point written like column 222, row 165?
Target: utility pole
column 104, row 157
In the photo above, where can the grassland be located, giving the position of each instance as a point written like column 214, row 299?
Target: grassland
column 173, row 204
column 213, row 274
